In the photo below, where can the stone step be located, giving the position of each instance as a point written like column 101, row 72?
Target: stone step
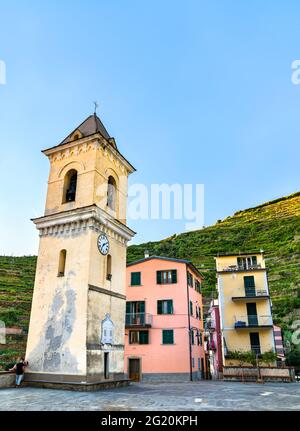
column 77, row 386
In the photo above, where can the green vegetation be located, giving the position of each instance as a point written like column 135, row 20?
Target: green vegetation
column 245, row 358
column 273, row 227
column 16, row 286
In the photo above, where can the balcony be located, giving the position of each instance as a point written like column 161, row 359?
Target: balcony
column 254, row 321
column 249, row 294
column 210, row 324
column 257, row 349
column 138, row 320
column 235, row 268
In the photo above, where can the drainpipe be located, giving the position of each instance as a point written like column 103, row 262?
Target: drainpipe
column 189, row 325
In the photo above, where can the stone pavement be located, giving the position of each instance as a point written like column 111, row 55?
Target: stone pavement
column 204, row 395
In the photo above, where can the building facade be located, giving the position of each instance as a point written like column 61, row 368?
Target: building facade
column 76, row 331
column 279, row 345
column 244, row 304
column 164, row 320
column 213, row 341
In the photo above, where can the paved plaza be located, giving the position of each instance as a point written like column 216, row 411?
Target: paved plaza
column 205, row 395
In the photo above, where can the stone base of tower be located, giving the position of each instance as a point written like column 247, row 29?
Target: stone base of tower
column 74, row 382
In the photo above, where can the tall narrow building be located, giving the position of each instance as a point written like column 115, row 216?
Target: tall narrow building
column 76, row 332
column 244, row 304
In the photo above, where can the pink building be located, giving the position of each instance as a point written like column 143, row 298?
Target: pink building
column 164, row 326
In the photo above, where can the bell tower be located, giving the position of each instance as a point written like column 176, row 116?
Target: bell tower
column 76, row 331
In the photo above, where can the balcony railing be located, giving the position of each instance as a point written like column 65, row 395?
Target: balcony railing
column 249, row 292
column 252, row 321
column 257, row 349
column 138, row 319
column 241, row 267
column 209, row 324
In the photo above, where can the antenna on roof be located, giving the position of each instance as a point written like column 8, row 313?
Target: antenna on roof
column 96, row 106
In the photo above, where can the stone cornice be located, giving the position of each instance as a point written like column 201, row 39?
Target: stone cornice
column 95, row 141
column 83, row 219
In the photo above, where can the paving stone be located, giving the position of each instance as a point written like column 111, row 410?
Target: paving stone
column 159, row 396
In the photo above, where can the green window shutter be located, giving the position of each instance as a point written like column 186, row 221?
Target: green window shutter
column 141, row 305
column 254, row 260
column 159, row 307
column 168, row 336
column 127, row 307
column 192, row 337
column 144, row 337
column 249, row 281
column 174, row 276
column 158, row 277
column 170, row 306
column 191, row 308
column 135, row 279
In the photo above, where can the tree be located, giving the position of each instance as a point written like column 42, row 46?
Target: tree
column 293, row 359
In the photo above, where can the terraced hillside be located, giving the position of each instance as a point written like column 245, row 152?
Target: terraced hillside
column 16, row 286
column 273, row 226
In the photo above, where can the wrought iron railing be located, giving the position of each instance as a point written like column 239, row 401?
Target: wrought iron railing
column 249, row 292
column 241, row 267
column 138, row 319
column 252, row 321
column 257, row 349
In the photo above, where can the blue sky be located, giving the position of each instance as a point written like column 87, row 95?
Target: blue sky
column 193, row 92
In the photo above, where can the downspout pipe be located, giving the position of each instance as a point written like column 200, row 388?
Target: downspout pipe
column 189, row 326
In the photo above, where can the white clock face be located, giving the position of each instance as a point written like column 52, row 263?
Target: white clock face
column 103, row 244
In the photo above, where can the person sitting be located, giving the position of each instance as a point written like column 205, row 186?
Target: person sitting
column 19, row 368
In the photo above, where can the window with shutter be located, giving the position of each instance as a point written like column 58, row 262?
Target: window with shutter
column 168, row 336
column 159, row 307
column 191, row 308
column 133, row 337
column 165, row 306
column 144, row 337
column 249, row 285
column 249, row 281
column 166, row 277
column 174, row 276
column 158, row 277
column 135, row 279
column 192, row 337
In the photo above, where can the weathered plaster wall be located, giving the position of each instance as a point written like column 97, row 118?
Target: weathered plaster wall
column 98, row 305
column 56, row 339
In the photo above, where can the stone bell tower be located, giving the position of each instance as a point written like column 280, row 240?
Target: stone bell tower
column 76, row 332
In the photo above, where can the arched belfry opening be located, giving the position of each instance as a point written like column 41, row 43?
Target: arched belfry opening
column 70, row 186
column 112, row 193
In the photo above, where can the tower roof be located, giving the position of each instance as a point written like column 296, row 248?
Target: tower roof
column 88, row 127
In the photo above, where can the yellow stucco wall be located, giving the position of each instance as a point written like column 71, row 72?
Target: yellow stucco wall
column 94, row 164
